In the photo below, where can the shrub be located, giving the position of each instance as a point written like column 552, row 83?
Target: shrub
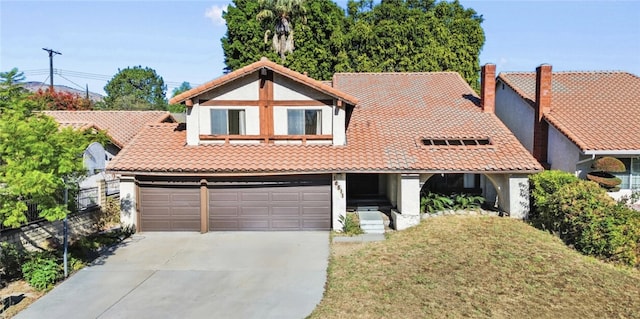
column 11, row 259
column 467, row 201
column 349, row 225
column 608, row 164
column 434, row 202
column 585, row 217
column 109, row 215
column 42, row 270
column 543, row 185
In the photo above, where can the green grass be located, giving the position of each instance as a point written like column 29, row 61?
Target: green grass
column 478, row 267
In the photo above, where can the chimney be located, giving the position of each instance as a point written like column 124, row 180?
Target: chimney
column 488, row 88
column 542, row 106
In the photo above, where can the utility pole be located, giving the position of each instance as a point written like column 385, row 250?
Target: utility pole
column 51, row 53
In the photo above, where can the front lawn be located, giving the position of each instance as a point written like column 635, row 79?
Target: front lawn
column 457, row 266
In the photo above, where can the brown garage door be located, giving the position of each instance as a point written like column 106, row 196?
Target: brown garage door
column 169, row 209
column 286, row 206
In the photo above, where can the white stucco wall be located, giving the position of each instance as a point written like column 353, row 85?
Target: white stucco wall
column 338, row 127
column 193, row 125
column 409, row 194
column 519, row 196
column 128, row 201
column 286, row 89
column 562, row 154
column 245, row 88
column 338, row 199
column 392, row 188
column 516, row 114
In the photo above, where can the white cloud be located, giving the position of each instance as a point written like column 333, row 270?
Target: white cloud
column 214, row 13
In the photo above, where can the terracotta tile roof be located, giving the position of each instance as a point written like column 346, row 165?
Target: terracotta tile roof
column 396, row 110
column 120, row 126
column 598, row 110
column 253, row 67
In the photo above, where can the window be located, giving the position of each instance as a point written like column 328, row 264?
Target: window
column 631, row 177
column 304, row 122
column 227, row 122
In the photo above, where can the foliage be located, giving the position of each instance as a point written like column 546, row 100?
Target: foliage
column 350, row 226
column 584, row 216
column 60, row 100
column 11, row 259
column 136, row 88
column 280, row 14
column 184, row 87
column 109, row 215
column 319, row 36
column 390, row 36
column 542, row 185
column 435, row 36
column 466, row 201
column 42, row 270
column 434, row 202
column 608, row 164
column 35, row 158
column 590, row 220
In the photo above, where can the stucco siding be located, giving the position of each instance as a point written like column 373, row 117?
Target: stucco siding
column 516, row 114
column 286, row 89
column 245, row 88
column 562, row 153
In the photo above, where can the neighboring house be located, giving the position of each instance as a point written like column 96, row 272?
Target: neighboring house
column 569, row 119
column 267, row 148
column 119, row 126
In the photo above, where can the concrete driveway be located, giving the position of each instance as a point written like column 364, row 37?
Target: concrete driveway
column 191, row 275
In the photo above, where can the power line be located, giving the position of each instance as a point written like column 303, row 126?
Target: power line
column 51, row 54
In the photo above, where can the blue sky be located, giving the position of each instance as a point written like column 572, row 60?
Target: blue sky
column 181, row 39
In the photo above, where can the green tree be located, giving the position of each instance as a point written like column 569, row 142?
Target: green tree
column 279, row 14
column 390, row 36
column 37, row 159
column 320, row 40
column 136, row 88
column 415, row 35
column 10, row 84
column 185, row 86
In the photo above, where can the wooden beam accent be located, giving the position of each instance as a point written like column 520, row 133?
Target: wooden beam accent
column 188, row 102
column 303, row 103
column 269, row 102
column 265, row 138
column 204, row 207
column 273, row 103
column 230, row 103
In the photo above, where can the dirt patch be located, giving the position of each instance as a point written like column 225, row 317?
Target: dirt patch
column 17, row 296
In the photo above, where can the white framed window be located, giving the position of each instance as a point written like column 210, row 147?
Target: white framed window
column 631, row 177
column 304, row 122
column 228, row 122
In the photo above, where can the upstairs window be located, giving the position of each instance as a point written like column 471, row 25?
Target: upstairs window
column 227, row 122
column 304, row 122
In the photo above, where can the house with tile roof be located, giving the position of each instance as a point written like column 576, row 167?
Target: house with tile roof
column 119, row 126
column 267, row 148
column 569, row 119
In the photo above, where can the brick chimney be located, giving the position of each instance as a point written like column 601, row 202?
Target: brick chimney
column 488, row 88
column 542, row 106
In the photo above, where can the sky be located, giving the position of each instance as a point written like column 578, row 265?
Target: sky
column 180, row 40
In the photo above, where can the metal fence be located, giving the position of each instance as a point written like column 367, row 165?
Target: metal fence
column 85, row 199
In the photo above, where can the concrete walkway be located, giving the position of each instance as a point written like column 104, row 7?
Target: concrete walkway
column 191, row 275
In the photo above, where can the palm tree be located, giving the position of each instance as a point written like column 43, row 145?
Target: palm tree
column 281, row 12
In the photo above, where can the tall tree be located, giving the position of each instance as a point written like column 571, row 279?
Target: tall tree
column 320, row 41
column 279, row 13
column 185, row 86
column 37, row 159
column 415, row 35
column 390, row 36
column 136, row 88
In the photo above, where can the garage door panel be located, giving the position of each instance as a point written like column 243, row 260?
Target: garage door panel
column 286, row 211
column 166, row 208
column 254, row 211
column 289, row 205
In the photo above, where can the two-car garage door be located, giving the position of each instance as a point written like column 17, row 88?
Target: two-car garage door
column 283, row 203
